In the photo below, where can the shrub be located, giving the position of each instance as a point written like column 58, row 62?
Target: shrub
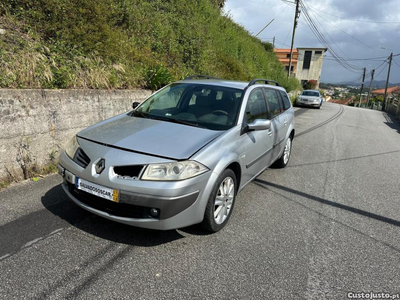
column 310, row 85
column 127, row 43
column 155, row 77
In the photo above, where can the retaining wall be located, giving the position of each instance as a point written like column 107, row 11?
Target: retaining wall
column 36, row 124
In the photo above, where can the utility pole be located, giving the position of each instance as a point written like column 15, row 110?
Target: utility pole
column 296, row 17
column 362, row 86
column 273, row 42
column 370, row 86
column 387, row 82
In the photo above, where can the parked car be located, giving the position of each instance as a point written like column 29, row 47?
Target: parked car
column 182, row 156
column 310, row 98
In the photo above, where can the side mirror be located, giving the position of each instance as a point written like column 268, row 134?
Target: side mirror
column 135, row 104
column 259, row 125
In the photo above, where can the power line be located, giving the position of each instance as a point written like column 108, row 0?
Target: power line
column 290, row 30
column 385, row 61
column 396, row 63
column 369, row 58
column 380, row 72
column 323, row 41
column 366, row 21
column 356, row 39
column 332, row 39
column 276, row 41
column 352, row 80
column 271, row 21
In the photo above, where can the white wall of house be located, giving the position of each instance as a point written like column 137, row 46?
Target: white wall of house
column 313, row 72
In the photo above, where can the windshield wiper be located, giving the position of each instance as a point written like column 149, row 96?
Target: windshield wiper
column 179, row 121
column 172, row 120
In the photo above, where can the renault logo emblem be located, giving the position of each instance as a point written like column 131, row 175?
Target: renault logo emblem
column 99, row 167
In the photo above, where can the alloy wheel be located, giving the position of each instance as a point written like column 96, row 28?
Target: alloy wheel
column 286, row 151
column 224, row 200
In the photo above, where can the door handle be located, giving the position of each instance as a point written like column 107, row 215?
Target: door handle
column 285, row 123
column 270, row 132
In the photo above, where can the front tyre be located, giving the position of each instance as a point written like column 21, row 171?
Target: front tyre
column 284, row 159
column 220, row 204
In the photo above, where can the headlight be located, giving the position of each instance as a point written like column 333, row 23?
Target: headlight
column 173, row 171
column 71, row 147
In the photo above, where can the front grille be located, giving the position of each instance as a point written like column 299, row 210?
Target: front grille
column 113, row 208
column 128, row 172
column 81, row 158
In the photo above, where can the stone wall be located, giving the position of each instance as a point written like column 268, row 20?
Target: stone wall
column 36, row 124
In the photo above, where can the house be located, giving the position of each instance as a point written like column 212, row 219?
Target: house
column 306, row 63
column 309, row 64
column 393, row 92
column 284, row 57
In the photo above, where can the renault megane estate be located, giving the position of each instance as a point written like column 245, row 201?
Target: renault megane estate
column 182, row 156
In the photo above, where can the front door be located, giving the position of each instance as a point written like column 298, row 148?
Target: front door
column 258, row 144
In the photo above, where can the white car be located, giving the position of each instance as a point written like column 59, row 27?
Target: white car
column 310, row 98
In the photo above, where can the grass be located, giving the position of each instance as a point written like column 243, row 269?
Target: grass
column 126, row 44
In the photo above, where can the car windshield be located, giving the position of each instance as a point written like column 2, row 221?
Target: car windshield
column 207, row 106
column 310, row 93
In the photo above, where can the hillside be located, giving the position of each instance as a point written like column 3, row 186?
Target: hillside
column 126, row 44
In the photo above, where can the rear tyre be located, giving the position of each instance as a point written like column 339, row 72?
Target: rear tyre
column 284, row 159
column 220, row 204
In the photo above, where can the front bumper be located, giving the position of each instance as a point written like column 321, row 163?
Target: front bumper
column 308, row 103
column 180, row 203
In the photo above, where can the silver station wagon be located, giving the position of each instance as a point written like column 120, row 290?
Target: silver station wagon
column 180, row 157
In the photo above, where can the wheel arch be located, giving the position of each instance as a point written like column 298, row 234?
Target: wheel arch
column 235, row 167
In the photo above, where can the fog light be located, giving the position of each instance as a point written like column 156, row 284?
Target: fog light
column 154, row 212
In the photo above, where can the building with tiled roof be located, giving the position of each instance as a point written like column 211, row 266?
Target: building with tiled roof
column 342, row 101
column 390, row 90
column 284, row 56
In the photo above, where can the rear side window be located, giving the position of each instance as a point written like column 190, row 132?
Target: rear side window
column 275, row 106
column 256, row 107
column 286, row 100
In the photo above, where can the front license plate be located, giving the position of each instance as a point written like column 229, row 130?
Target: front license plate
column 97, row 190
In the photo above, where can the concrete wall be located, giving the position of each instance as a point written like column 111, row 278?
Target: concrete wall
column 36, row 124
column 314, row 72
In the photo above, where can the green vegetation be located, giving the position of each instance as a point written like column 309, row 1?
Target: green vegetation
column 310, row 85
column 126, row 44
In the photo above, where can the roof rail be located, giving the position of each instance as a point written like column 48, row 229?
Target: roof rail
column 266, row 81
column 200, row 76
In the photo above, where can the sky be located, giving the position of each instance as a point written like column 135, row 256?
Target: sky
column 380, row 27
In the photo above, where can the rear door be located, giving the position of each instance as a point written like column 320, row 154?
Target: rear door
column 287, row 105
column 279, row 120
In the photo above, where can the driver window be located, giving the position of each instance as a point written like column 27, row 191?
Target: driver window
column 256, row 106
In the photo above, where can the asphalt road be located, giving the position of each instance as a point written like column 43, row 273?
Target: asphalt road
column 326, row 225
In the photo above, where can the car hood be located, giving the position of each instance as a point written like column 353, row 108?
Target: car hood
column 154, row 137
